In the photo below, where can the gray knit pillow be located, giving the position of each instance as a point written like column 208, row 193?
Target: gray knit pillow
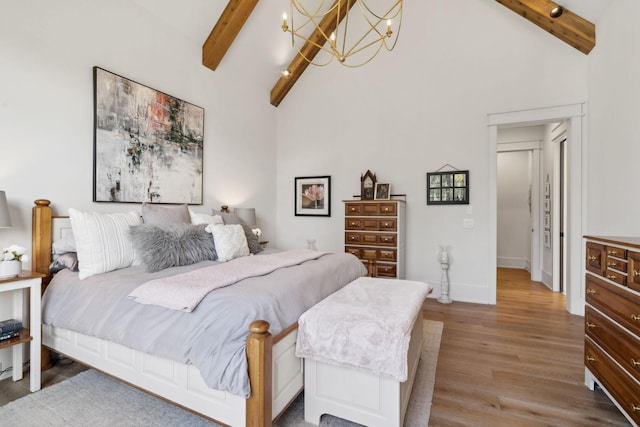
column 171, row 245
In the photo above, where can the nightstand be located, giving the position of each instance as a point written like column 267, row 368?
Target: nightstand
column 18, row 285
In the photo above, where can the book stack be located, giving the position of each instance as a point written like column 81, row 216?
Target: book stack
column 10, row 329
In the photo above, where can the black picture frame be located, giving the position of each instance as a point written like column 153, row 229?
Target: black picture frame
column 312, row 196
column 448, row 188
column 147, row 144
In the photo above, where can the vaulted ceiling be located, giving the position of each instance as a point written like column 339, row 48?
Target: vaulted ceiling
column 576, row 27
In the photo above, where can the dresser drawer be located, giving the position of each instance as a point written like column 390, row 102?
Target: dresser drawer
column 353, row 224
column 388, row 224
column 595, row 258
column 370, row 239
column 622, row 387
column 616, row 252
column 351, row 209
column 620, row 304
column 616, row 265
column 387, row 255
column 387, row 209
column 370, row 209
column 352, row 251
column 616, row 276
column 371, row 224
column 633, row 270
column 385, row 270
column 620, row 345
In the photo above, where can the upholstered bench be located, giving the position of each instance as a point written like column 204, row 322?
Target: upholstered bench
column 361, row 347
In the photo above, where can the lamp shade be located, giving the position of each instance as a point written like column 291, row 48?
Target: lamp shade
column 247, row 215
column 5, row 219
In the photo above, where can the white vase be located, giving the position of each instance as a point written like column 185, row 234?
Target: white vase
column 10, row 269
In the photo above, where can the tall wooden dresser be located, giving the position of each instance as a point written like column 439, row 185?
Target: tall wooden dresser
column 612, row 320
column 375, row 233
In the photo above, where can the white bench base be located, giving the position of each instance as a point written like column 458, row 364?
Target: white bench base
column 358, row 395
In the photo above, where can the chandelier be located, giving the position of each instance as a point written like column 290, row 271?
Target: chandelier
column 353, row 39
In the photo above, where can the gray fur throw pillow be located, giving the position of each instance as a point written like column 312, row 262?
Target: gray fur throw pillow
column 171, row 245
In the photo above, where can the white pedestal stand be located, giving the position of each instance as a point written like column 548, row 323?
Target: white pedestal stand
column 443, row 257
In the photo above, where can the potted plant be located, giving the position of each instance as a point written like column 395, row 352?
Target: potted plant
column 11, row 261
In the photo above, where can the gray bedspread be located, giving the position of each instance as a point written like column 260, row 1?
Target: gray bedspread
column 212, row 337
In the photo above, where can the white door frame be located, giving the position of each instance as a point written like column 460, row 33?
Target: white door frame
column 575, row 195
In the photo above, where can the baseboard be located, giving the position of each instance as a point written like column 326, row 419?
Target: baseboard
column 547, row 279
column 509, row 262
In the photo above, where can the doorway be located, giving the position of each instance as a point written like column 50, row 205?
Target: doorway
column 573, row 217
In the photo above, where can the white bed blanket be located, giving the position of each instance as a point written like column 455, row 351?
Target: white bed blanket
column 367, row 324
column 185, row 291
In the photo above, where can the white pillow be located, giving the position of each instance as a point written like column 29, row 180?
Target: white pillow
column 230, row 241
column 102, row 240
column 200, row 218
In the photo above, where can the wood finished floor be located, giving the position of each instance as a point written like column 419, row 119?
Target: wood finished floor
column 518, row 363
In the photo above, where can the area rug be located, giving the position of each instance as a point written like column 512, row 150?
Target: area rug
column 93, row 399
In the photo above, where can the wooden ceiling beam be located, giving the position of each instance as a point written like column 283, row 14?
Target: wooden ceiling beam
column 569, row 27
column 225, row 31
column 309, row 51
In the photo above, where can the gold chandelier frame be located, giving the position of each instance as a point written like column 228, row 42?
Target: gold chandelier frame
column 336, row 43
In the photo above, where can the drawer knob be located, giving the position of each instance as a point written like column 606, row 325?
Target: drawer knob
column 593, row 258
column 353, row 209
column 386, row 224
column 635, row 317
column 611, row 276
column 636, row 273
column 635, row 408
column 612, row 252
column 590, row 358
column 386, row 209
column 611, row 264
column 591, row 291
column 634, row 362
column 590, row 325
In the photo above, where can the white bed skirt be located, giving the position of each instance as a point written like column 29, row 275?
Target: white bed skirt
column 178, row 382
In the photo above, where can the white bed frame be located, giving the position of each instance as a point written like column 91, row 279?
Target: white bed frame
column 275, row 373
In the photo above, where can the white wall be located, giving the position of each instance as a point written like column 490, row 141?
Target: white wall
column 614, row 128
column 414, row 110
column 514, row 217
column 47, row 52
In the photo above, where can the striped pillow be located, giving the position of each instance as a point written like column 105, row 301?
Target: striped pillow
column 102, row 240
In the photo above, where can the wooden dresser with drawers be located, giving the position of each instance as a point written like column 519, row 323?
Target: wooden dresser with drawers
column 612, row 320
column 375, row 233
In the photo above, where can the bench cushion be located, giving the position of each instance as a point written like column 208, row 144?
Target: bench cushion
column 367, row 324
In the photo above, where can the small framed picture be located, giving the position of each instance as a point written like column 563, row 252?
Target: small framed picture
column 383, row 191
column 547, row 221
column 313, row 196
column 448, row 188
column 547, row 205
column 547, row 239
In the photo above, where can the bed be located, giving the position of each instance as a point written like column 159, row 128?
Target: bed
column 274, row 373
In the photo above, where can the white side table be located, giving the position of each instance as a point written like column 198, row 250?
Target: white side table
column 18, row 285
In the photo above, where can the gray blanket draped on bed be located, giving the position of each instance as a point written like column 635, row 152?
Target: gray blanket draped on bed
column 212, row 337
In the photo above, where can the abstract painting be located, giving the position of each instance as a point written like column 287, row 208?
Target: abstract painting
column 147, row 144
